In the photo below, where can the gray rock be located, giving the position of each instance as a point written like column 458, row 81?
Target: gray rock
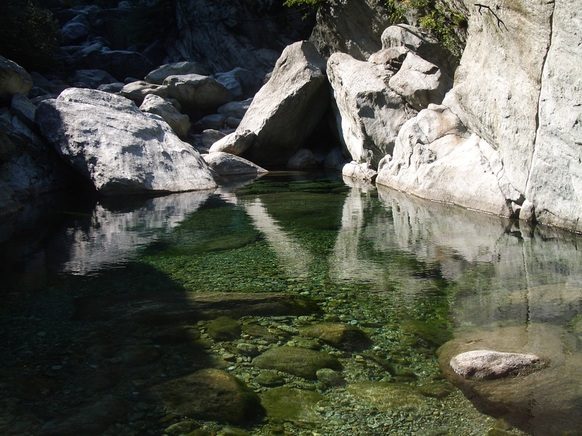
column 368, row 113
column 13, row 80
column 113, row 88
column 210, row 136
column 119, row 63
column 287, row 108
column 235, row 143
column 92, row 78
column 350, row 26
column 213, row 121
column 137, row 91
column 359, row 171
column 390, row 58
column 236, row 109
column 303, row 159
column 420, row 82
column 488, row 364
column 239, row 81
column 118, row 148
column 434, row 158
column 197, row 93
column 232, row 122
column 179, row 122
column 24, row 109
column 160, row 74
column 226, row 164
column 74, row 31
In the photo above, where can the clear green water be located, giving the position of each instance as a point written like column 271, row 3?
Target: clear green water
column 412, row 275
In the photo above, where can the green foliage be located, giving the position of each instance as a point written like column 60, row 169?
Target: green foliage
column 310, row 3
column 29, row 34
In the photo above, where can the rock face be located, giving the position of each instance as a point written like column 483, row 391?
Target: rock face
column 487, row 364
column 528, row 113
column 120, row 149
column 285, row 111
column 225, row 34
column 353, row 27
column 13, row 80
column 369, row 113
column 435, row 158
column 180, row 123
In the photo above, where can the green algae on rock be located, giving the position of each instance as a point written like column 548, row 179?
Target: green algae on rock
column 297, row 361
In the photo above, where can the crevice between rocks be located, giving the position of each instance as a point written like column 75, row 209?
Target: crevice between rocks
column 535, row 139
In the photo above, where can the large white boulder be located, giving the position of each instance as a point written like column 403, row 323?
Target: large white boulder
column 108, row 140
column 286, row 109
column 368, row 112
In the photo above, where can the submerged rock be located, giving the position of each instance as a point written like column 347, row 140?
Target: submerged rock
column 224, row 328
column 338, row 335
column 108, row 140
column 297, row 361
column 210, row 394
column 290, row 404
column 488, row 364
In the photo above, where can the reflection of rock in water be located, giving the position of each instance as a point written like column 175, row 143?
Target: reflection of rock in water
column 502, row 273
column 294, row 259
column 347, row 262
column 109, row 236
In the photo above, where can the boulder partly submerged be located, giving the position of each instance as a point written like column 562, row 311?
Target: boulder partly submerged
column 226, row 164
column 108, row 140
column 489, row 364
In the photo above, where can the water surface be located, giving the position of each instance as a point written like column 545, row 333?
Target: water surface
column 412, row 275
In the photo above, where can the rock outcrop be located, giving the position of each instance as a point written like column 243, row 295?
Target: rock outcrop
column 368, row 112
column 285, row 111
column 108, row 140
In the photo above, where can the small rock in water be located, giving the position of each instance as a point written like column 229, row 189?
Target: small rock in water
column 488, row 364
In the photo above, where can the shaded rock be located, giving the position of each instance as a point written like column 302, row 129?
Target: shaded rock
column 235, row 143
column 358, row 171
column 338, row 335
column 118, row 148
column 351, row 26
column 232, row 122
column 213, row 121
column 113, row 88
column 92, row 78
column 297, row 361
column 92, row 419
column 197, row 93
column 239, row 81
column 24, row 109
column 303, row 159
column 287, row 108
column 210, row 394
column 390, row 58
column 224, row 328
column 180, row 123
column 190, row 308
column 368, row 113
column 329, row 378
column 489, row 364
column 137, row 91
column 119, row 63
column 421, row 43
column 160, row 74
column 420, row 82
column 13, row 80
column 290, row 404
column 74, row 31
column 235, row 109
column 226, row 164
column 210, row 136
column 434, row 159
column 335, row 159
